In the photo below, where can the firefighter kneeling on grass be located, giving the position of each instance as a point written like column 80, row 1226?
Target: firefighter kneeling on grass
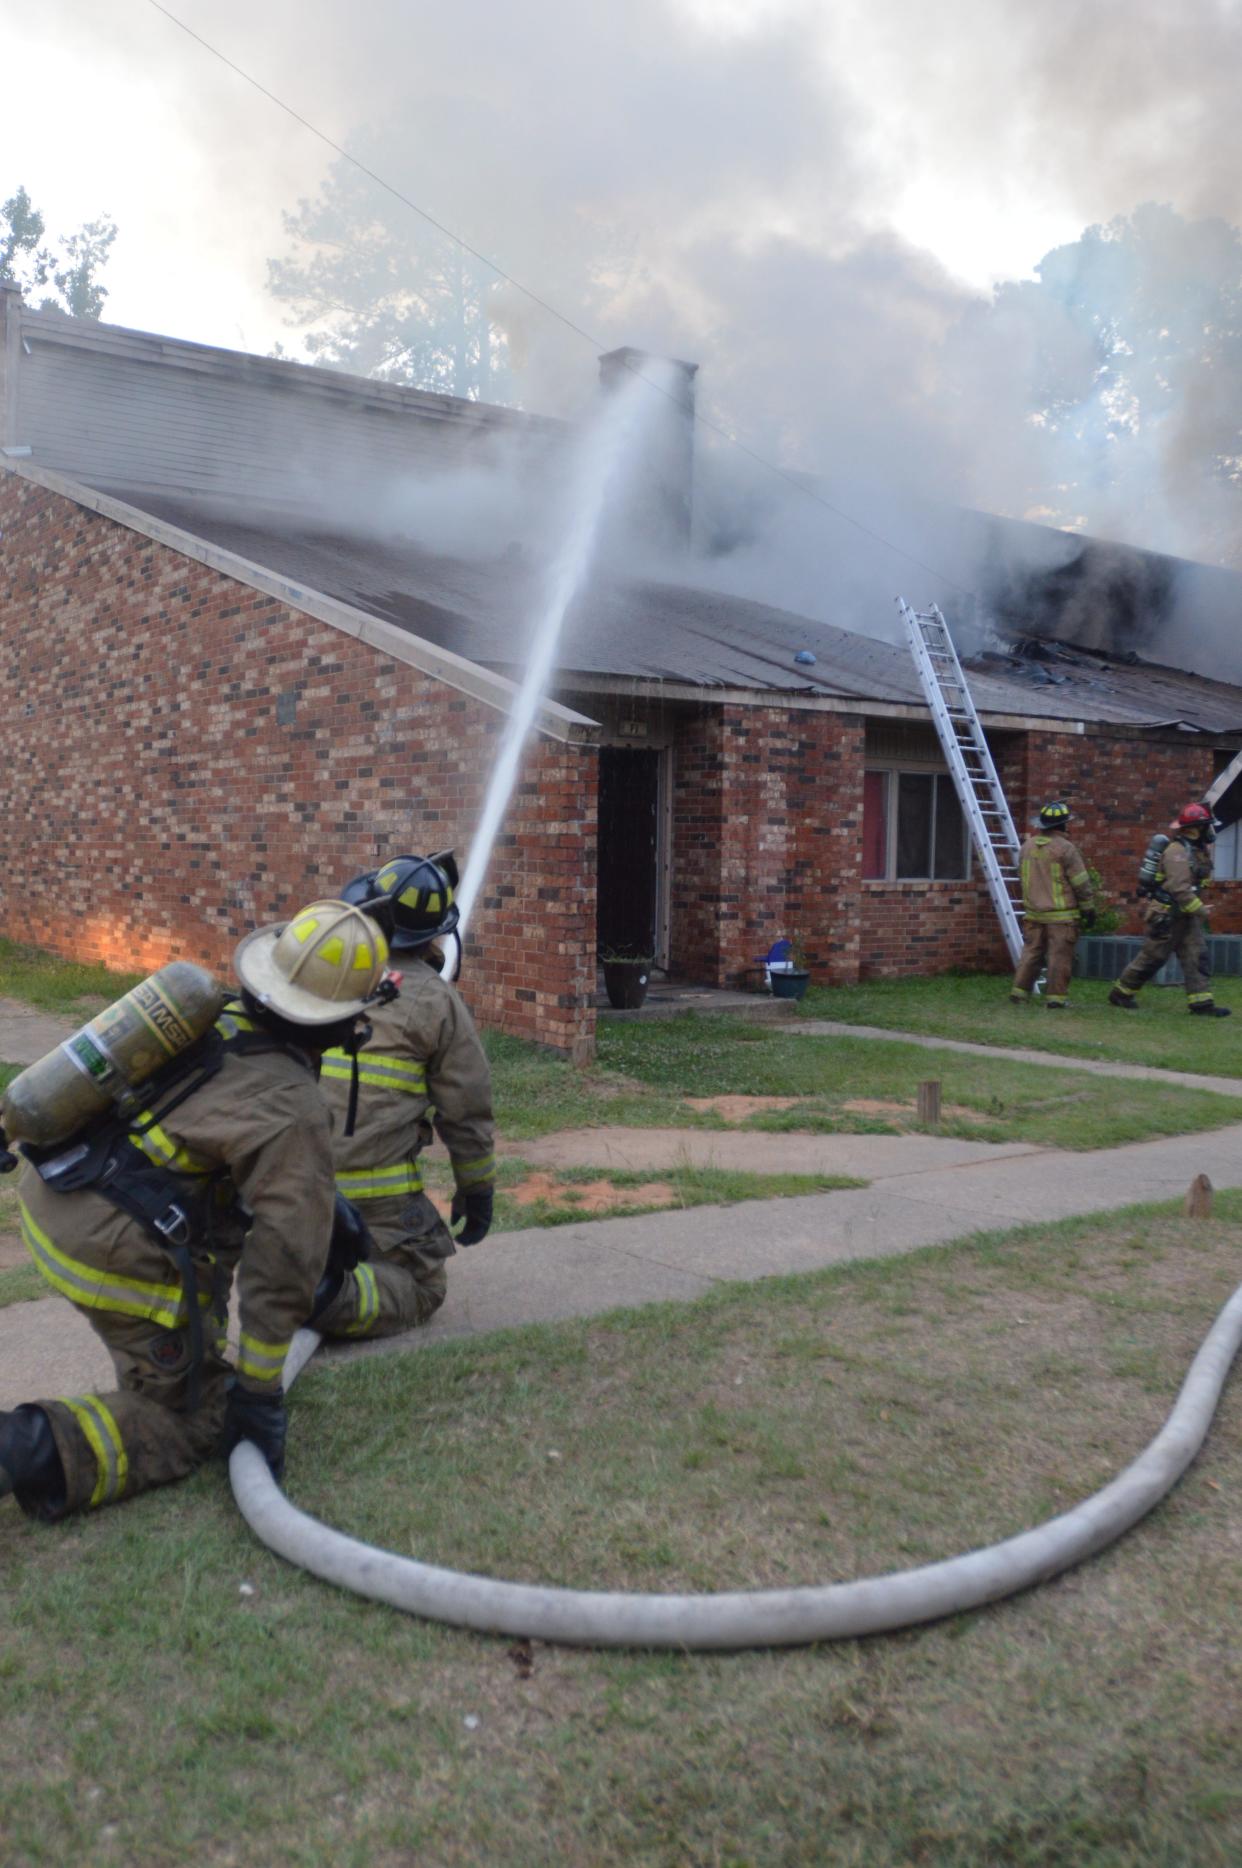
column 421, row 1072
column 141, row 1220
column 1056, row 898
column 1176, row 869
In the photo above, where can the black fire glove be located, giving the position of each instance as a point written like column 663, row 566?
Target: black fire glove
column 351, row 1241
column 1087, row 917
column 258, row 1417
column 475, row 1207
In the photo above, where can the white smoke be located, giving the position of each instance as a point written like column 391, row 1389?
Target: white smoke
column 756, row 186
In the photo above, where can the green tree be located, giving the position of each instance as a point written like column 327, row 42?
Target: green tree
column 405, row 307
column 65, row 272
column 1122, row 365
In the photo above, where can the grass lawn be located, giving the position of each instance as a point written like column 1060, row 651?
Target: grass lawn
column 976, row 1007
column 54, row 985
column 172, row 1687
column 527, row 1197
column 986, row 1099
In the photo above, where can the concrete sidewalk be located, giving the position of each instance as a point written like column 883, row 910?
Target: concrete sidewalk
column 27, row 1035
column 924, row 1191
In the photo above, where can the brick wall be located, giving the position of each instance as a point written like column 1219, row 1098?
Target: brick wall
column 1121, row 787
column 184, row 757
column 929, row 927
column 767, row 839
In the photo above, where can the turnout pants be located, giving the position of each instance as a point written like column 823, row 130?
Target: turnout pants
column 1047, row 944
column 143, row 1432
column 1174, row 933
column 403, row 1283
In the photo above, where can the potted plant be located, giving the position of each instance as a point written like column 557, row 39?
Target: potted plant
column 626, row 975
column 790, row 978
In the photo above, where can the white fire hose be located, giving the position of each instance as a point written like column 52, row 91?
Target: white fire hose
column 745, row 1618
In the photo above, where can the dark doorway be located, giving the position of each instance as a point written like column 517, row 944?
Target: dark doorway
column 629, row 820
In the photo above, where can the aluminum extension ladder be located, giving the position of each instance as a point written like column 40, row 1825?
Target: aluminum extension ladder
column 974, row 776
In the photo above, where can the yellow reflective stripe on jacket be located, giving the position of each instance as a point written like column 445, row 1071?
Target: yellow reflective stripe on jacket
column 82, row 1284
column 376, row 1183
column 378, row 1068
column 158, row 1146
column 1194, row 906
column 1080, row 880
column 104, row 1438
column 471, row 1173
column 368, row 1300
column 231, row 1024
column 259, row 1361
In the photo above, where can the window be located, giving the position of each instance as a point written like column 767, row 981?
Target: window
column 913, row 828
column 1227, row 856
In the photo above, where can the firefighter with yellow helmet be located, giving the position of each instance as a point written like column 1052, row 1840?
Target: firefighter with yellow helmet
column 422, row 1071
column 143, row 1218
column 1057, row 901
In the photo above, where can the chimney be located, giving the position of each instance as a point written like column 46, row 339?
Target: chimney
column 659, row 505
column 10, row 354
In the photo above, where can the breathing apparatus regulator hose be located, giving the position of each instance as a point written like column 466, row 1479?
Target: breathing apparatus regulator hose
column 746, row 1618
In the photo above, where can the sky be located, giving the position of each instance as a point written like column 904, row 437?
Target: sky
column 802, row 195
column 950, row 127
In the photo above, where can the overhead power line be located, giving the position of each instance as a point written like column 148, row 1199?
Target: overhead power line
column 597, row 344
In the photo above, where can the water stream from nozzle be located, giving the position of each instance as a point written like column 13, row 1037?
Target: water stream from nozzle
column 603, row 455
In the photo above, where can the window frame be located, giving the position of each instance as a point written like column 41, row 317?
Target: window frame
column 892, row 770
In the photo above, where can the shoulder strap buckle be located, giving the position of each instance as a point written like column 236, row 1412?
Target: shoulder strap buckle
column 173, row 1224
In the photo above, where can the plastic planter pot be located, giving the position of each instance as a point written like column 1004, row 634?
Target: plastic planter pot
column 625, row 982
column 790, row 985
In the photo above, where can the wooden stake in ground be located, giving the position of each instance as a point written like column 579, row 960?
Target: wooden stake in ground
column 1199, row 1198
column 929, row 1102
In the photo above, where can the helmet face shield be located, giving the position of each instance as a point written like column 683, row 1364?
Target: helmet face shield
column 362, row 893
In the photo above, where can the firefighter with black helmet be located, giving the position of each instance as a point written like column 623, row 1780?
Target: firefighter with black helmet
column 423, row 1071
column 1056, row 901
column 1176, row 914
column 143, row 1220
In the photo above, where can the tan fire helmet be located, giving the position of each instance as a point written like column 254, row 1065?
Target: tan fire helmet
column 324, row 964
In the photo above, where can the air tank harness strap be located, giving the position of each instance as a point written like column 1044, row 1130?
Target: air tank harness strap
column 110, row 1161
column 108, row 1164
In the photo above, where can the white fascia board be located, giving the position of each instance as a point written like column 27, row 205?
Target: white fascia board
column 553, row 720
column 628, row 687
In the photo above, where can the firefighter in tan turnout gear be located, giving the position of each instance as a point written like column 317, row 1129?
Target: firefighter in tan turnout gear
column 421, row 1071
column 144, row 1221
column 1056, row 900
column 1176, row 915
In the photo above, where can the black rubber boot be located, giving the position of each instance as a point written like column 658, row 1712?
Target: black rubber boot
column 29, row 1462
column 1211, row 1010
column 1123, row 999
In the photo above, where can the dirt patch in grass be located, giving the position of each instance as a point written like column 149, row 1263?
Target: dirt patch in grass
column 905, row 1115
column 739, row 1108
column 12, row 1252
column 597, row 1196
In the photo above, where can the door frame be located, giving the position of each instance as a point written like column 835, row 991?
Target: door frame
column 620, row 742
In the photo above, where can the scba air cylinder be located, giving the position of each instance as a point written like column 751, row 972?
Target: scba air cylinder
column 96, row 1069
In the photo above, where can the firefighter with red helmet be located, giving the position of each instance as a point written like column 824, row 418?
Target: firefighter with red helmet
column 423, row 1071
column 1176, row 916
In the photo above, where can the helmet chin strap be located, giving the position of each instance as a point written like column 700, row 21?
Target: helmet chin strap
column 360, row 1035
